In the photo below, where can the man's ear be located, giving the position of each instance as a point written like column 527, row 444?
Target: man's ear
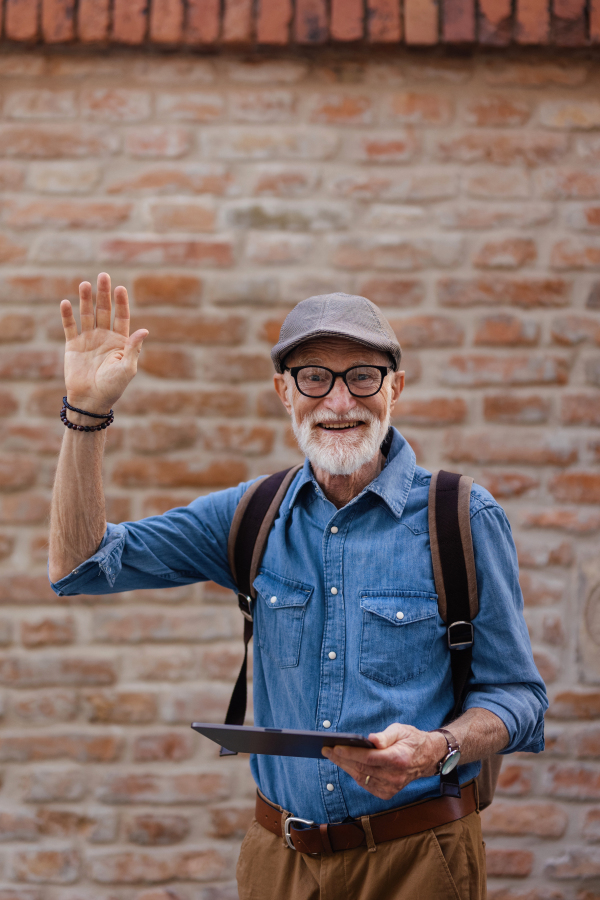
column 283, row 388
column 397, row 387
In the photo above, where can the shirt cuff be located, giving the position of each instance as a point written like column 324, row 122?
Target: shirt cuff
column 482, row 700
column 106, row 559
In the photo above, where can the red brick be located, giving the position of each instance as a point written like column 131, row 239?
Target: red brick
column 273, row 22
column 552, row 630
column 147, row 787
column 477, row 217
column 15, row 327
column 93, row 20
column 536, row 73
column 237, row 22
column 594, row 21
column 183, row 215
column 531, row 148
column 574, row 520
column 170, row 746
column 82, row 748
column 391, row 252
column 495, row 22
column 397, row 292
column 546, row 665
column 233, row 367
column 431, row 411
column 200, row 403
column 310, row 22
column 23, row 588
column 397, row 146
column 7, row 543
column 208, row 704
column 130, row 20
column 203, row 21
column 572, row 782
column 208, row 178
column 48, row 631
column 40, row 671
column 157, row 829
column 580, row 409
column 67, row 214
column 576, row 863
column 568, row 23
column 18, row 827
column 545, row 820
column 576, row 487
column 16, row 472
column 120, row 708
column 10, row 251
column 58, row 21
column 528, row 293
column 115, row 104
column 421, row 21
column 586, row 742
column 572, row 330
column 496, row 110
column 283, row 181
column 384, row 25
column 478, row 370
column 192, row 329
column 8, row 403
column 509, row 863
column 516, row 409
column 11, row 176
column 346, row 20
column 161, row 437
column 51, row 141
column 166, row 21
column 506, row 330
column 515, row 779
column 511, row 253
column 458, row 21
column 250, row 440
column 191, row 106
column 167, row 290
column 198, row 251
column 567, row 114
column 167, row 363
column 507, row 484
column 342, row 109
column 157, row 504
column 24, row 509
column 526, row 447
column 144, row 472
column 21, row 20
column 51, row 785
column 97, row 828
column 541, row 590
column 40, row 104
column 231, row 821
column 568, row 184
column 221, row 662
column 428, row 331
column 47, row 866
column 44, row 707
column 156, row 141
column 592, row 371
column 575, row 704
column 411, row 108
column 533, row 22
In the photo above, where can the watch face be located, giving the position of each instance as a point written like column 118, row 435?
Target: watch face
column 450, row 762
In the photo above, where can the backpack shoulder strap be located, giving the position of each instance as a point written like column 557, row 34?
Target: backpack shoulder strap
column 246, row 545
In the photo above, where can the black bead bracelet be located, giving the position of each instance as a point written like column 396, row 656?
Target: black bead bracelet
column 108, row 417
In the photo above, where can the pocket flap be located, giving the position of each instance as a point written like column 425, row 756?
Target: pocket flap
column 278, row 591
column 400, row 607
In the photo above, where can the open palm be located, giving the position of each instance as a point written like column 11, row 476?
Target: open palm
column 100, row 361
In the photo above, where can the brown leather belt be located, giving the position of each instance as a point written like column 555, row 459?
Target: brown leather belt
column 367, row 830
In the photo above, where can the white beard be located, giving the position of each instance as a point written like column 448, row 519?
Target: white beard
column 340, row 452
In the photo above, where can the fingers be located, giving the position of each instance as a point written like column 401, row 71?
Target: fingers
column 121, row 323
column 86, row 306
column 103, row 305
column 134, row 345
column 68, row 320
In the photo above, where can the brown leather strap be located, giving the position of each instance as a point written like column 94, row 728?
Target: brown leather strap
column 388, row 826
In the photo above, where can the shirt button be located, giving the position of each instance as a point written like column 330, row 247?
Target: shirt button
column 334, row 529
column 399, row 615
column 332, row 654
column 334, row 590
column 273, row 599
column 330, row 787
column 326, row 724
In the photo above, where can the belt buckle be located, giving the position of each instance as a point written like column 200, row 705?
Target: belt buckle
column 286, row 828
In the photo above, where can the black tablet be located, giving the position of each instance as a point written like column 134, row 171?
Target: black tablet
column 277, row 741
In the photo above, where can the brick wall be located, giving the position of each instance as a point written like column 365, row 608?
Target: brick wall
column 462, row 196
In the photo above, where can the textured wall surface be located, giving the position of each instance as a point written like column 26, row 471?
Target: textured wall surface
column 462, row 196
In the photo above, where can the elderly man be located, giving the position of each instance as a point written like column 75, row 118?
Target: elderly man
column 353, row 527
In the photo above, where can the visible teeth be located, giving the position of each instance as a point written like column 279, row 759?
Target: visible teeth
column 339, row 427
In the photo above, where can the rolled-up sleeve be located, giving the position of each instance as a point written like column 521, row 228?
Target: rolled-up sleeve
column 504, row 678
column 184, row 545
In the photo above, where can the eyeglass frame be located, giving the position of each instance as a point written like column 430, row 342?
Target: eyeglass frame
column 293, row 370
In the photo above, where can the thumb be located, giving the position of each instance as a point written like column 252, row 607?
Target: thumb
column 134, row 344
column 385, row 739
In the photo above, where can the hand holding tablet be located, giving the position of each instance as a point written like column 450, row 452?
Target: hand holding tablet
column 277, row 741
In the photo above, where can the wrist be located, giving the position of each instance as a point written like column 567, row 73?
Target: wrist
column 438, row 750
column 89, row 404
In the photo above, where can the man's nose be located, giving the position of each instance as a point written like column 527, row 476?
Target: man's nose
column 339, row 400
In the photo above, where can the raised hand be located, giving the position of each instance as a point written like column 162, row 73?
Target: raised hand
column 100, row 361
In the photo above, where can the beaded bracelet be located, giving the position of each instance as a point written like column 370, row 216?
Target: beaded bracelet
column 109, row 417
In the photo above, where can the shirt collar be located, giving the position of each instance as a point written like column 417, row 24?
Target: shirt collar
column 392, row 484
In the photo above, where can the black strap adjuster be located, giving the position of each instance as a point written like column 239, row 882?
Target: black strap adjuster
column 244, row 603
column 460, row 635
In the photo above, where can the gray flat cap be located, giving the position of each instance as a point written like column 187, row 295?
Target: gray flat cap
column 336, row 315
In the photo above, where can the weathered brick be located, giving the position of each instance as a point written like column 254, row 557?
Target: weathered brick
column 18, row 827
column 43, row 785
column 40, row 104
column 231, row 821
column 167, row 362
column 492, row 215
column 552, row 629
column 421, row 22
column 506, row 330
column 93, row 20
column 84, row 748
column 144, row 472
column 264, row 142
column 24, row 509
column 430, row 411
column 30, row 365
column 157, row 829
column 48, row 631
column 191, row 329
column 576, row 487
column 199, row 178
column 428, row 331
column 66, row 214
column 516, row 409
column 575, row 863
column 476, row 370
column 507, row 484
column 231, row 367
column 158, row 141
column 168, row 290
column 496, row 290
column 541, row 590
column 146, row 249
column 580, row 409
column 98, row 827
column 591, row 826
column 171, row 746
column 573, row 520
column 223, row 402
column 250, row 440
column 529, row 148
column 141, row 626
column 42, row 671
column 44, row 707
column 561, row 183
column 527, row 73
column 161, row 437
column 397, row 292
column 570, row 115
column 575, row 704
column 49, row 141
column 496, row 109
column 509, row 863
column 411, row 108
column 184, row 706
column 511, row 253
column 147, row 787
column 277, row 249
column 527, row 447
column 542, row 819
column 119, row 707
column 390, row 252
column 47, row 866
column 570, row 330
column 16, row 472
column 413, row 186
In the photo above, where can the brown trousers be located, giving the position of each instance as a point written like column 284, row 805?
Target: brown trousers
column 446, row 863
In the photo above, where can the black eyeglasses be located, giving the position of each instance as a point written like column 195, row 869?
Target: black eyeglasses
column 318, row 381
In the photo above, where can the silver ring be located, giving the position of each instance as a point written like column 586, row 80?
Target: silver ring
column 367, row 779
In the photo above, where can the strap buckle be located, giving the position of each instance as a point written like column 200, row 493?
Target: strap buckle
column 286, row 828
column 460, row 635
column 245, row 605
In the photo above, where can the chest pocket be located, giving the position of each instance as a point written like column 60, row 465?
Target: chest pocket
column 279, row 617
column 398, row 631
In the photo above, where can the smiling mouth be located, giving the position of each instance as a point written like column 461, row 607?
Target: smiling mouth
column 346, row 426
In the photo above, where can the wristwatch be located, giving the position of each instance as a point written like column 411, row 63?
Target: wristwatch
column 452, row 757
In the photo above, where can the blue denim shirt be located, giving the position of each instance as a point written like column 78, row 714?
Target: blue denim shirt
column 322, row 592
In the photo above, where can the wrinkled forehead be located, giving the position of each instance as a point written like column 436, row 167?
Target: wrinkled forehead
column 335, row 352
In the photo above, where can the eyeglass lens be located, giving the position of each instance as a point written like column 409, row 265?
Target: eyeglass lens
column 316, row 381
